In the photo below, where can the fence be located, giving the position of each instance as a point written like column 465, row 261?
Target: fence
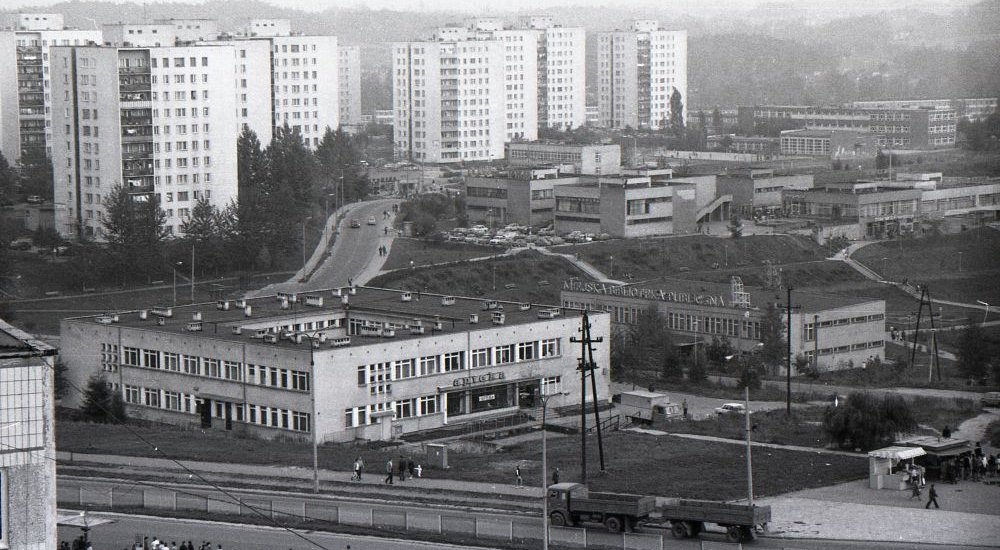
column 85, row 493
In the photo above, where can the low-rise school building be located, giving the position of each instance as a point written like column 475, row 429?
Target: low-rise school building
column 340, row 365
column 841, row 331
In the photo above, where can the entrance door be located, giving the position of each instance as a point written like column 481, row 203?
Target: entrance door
column 526, row 395
column 229, row 415
column 206, row 413
column 455, row 403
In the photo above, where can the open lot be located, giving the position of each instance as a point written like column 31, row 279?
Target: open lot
column 524, row 277
column 660, row 465
column 423, row 252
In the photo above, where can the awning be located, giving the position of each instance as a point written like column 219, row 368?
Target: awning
column 897, row 453
column 79, row 520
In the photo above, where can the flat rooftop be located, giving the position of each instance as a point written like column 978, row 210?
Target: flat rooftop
column 368, row 302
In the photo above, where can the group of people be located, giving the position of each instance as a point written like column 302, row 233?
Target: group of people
column 975, row 466
column 405, row 466
column 383, row 250
column 897, row 335
column 80, row 543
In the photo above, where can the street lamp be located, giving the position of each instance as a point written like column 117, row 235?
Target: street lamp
column 545, row 472
column 612, row 269
column 959, row 262
column 987, row 314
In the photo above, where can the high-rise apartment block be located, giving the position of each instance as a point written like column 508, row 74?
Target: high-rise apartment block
column 349, row 79
column 160, row 121
column 540, row 73
column 638, row 70
column 25, row 120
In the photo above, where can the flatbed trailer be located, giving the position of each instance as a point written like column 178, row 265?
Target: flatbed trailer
column 687, row 518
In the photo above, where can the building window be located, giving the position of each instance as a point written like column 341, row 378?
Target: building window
column 132, row 394
column 212, row 368
column 130, row 357
column 429, row 365
column 233, row 370
column 172, row 400
column 454, row 361
column 480, row 358
column 151, row 397
column 405, row 369
column 300, row 380
column 550, row 347
column 171, row 361
column 192, row 365
column 406, row 408
column 526, row 351
column 551, row 385
column 428, row 405
column 150, row 359
column 300, row 421
column 504, row 354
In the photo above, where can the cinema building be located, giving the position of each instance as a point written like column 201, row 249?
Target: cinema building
column 842, row 331
column 362, row 363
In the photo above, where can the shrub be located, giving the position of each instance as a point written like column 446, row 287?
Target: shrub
column 101, row 404
column 868, row 421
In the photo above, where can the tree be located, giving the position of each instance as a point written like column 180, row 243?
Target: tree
column 60, row 384
column 134, row 227
column 868, row 421
column 36, row 173
column 772, row 336
column 338, row 155
column 203, row 224
column 676, row 114
column 719, row 350
column 973, row 352
column 100, row 404
column 696, row 371
column 252, row 172
column 8, row 180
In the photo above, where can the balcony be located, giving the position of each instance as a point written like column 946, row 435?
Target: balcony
column 142, row 70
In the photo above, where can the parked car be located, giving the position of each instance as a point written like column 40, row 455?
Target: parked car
column 23, row 243
column 371, row 220
column 355, row 224
column 34, row 199
column 731, row 408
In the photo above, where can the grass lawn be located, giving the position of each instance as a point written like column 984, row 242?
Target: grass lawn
column 639, row 463
column 43, row 315
column 935, row 262
column 532, row 277
column 803, row 428
column 426, row 252
column 657, row 257
column 814, row 275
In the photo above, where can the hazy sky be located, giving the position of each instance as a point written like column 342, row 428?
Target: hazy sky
column 487, row 6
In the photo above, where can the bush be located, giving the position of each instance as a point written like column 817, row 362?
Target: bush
column 101, row 404
column 868, row 421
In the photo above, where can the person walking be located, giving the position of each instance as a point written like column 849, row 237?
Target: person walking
column 914, row 488
column 402, row 468
column 932, row 497
column 389, row 472
column 685, row 409
column 555, row 476
column 519, row 483
column 358, row 464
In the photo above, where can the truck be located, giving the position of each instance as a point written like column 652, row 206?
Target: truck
column 571, row 504
column 687, row 518
column 644, row 407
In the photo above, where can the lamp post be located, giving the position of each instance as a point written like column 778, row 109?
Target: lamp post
column 313, row 424
column 174, row 269
column 612, row 269
column 959, row 262
column 545, row 472
column 884, row 275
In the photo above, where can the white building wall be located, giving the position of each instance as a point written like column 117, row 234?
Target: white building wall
column 10, row 136
column 269, row 27
column 34, row 21
column 253, row 87
column 520, row 73
column 139, row 35
column 668, row 70
column 305, row 81
column 565, row 75
column 349, row 79
column 192, row 30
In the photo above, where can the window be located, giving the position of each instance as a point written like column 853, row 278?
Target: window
column 405, row 369
column 454, row 361
column 428, row 405
column 526, row 351
column 300, row 380
column 480, row 358
column 406, row 408
column 429, row 365
column 172, row 400
column 171, row 361
column 232, row 370
column 550, row 347
column 504, row 354
column 132, row 394
column 192, row 365
column 551, row 385
column 151, row 397
column 300, row 421
column 212, row 368
column 130, row 357
column 362, row 375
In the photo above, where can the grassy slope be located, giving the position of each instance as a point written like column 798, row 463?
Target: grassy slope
column 425, row 252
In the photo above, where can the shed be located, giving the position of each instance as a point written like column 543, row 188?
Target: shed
column 884, row 471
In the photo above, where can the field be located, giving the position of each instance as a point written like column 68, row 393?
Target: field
column 658, row 257
column 525, row 277
column 960, row 267
column 426, row 252
column 636, row 462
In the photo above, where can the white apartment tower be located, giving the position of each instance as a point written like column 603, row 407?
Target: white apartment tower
column 638, row 70
column 158, row 120
column 349, row 78
column 25, row 117
column 449, row 99
column 562, row 86
column 520, row 74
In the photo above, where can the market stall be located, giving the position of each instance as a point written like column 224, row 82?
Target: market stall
column 893, row 467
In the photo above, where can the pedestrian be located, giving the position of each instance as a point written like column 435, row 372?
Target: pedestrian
column 555, row 476
column 518, row 482
column 357, row 469
column 402, row 468
column 410, row 467
column 914, row 488
column 946, row 432
column 386, row 228
column 388, row 471
column 419, row 470
column 932, row 497
column 685, row 405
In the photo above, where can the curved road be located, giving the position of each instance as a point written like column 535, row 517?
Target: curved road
column 354, row 254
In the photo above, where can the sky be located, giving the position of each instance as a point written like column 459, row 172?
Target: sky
column 497, row 6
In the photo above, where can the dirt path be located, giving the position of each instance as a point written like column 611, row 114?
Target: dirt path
column 974, row 429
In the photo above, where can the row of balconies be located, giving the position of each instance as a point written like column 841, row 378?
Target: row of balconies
column 137, row 132
column 141, row 70
column 130, row 99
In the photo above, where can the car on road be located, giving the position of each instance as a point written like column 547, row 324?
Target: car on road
column 355, row 224
column 34, row 199
column 731, row 408
column 371, row 220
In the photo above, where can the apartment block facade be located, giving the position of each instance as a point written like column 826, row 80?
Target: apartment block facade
column 349, row 80
column 25, row 91
column 160, row 121
column 637, row 72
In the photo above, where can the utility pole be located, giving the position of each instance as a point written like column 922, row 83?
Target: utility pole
column 587, row 364
column 925, row 298
column 788, row 351
column 192, row 273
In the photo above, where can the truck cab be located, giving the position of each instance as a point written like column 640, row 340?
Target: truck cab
column 572, row 504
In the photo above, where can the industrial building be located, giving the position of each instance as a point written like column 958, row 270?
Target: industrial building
column 840, row 331
column 638, row 70
column 340, row 365
column 27, row 441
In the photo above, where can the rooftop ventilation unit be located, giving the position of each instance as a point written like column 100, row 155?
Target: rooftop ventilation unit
column 222, row 305
column 388, row 333
column 314, row 301
column 337, row 292
column 548, row 314
column 448, row 301
column 241, row 303
column 489, row 304
column 163, row 311
column 194, row 326
column 354, row 290
column 499, row 317
column 289, row 296
column 340, row 342
column 143, row 314
column 525, row 306
column 406, row 297
column 416, row 329
column 473, row 318
column 284, row 303
column 104, row 319
column 260, row 333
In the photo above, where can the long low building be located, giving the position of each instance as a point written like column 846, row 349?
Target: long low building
column 346, row 364
column 841, row 331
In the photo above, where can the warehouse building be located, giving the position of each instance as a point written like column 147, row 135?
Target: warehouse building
column 361, row 363
column 842, row 331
